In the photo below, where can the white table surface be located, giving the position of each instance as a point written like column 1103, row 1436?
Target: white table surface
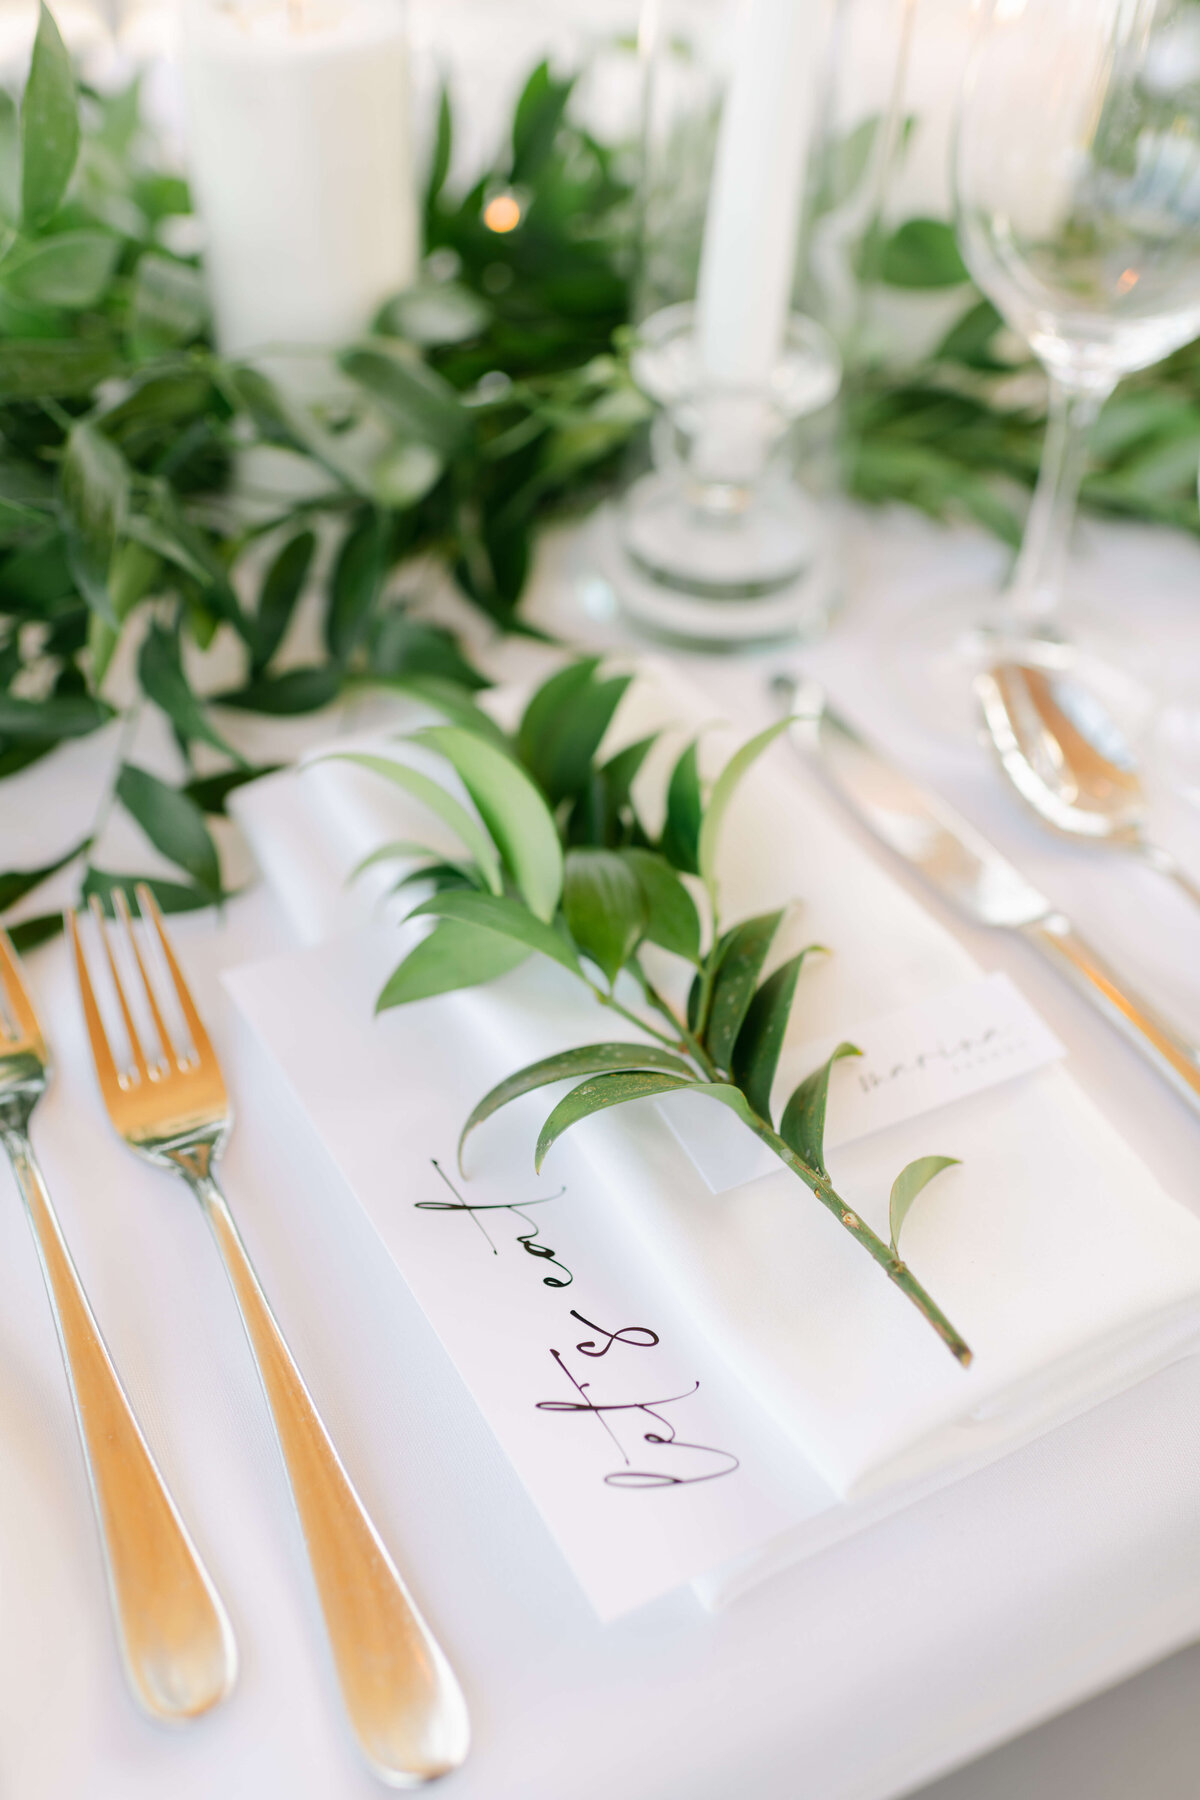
column 859, row 1675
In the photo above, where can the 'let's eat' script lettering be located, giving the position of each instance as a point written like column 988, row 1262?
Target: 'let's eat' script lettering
column 642, row 1432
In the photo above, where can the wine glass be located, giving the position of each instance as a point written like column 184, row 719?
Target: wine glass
column 1077, row 192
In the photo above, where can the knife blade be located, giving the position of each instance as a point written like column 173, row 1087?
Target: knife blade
column 978, row 881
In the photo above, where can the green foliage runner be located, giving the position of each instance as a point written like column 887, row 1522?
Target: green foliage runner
column 491, row 394
column 556, row 862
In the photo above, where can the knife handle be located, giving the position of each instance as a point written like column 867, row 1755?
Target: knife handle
column 1146, row 1029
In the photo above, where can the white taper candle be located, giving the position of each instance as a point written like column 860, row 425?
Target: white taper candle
column 750, row 233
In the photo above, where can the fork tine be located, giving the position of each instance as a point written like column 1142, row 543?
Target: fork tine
column 121, row 902
column 135, row 1043
column 201, row 1043
column 16, row 996
column 106, row 1069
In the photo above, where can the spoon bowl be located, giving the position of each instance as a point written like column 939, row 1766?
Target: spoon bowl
column 1069, row 760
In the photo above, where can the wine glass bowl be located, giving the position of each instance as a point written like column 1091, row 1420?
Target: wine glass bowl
column 1078, row 179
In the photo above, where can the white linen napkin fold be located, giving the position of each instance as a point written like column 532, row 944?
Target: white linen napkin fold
column 1052, row 1248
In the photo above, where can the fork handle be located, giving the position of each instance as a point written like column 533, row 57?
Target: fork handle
column 404, row 1704
column 175, row 1638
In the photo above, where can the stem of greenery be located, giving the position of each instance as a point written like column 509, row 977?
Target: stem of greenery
column 688, row 1041
column 616, row 1006
column 892, row 1265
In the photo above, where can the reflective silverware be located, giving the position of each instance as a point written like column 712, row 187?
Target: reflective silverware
column 955, row 859
column 1066, row 756
column 174, row 1635
column 404, row 1704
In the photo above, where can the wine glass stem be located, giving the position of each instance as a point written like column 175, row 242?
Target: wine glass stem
column 1035, row 591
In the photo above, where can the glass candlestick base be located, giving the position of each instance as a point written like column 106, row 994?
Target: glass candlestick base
column 725, row 541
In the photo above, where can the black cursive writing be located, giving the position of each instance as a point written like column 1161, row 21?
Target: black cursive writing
column 528, row 1240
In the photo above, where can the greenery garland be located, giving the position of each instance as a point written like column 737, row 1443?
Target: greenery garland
column 489, row 396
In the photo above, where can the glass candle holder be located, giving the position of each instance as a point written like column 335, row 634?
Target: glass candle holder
column 728, row 538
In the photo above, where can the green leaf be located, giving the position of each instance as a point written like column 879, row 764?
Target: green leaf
column 494, row 564
column 672, row 921
column 29, row 933
column 759, row 1042
column 563, row 725
column 589, row 1059
column 511, row 808
column 844, row 166
column 169, row 305
column 174, row 824
column 908, row 1184
column 172, row 896
column 57, row 716
column 969, row 339
column 440, row 876
column 922, row 253
column 681, row 834
column 32, row 369
column 417, row 400
column 210, row 792
column 433, row 795
column 536, row 122
column 604, row 906
column 495, row 912
column 280, row 421
column 132, row 574
column 10, row 160
column 740, row 958
column 399, row 847
column 16, row 883
column 443, row 145
column 448, row 698
column 722, row 794
column 94, row 486
column 49, row 125
column 403, row 474
column 802, row 1127
column 295, row 691
column 357, row 583
column 452, row 956
column 427, row 659
column 160, row 671
column 282, row 587
column 71, row 270
column 614, row 1090
column 621, row 769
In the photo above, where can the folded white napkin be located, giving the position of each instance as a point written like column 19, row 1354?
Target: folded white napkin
column 1052, row 1249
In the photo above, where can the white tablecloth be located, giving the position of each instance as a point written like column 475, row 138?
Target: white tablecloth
column 856, row 1676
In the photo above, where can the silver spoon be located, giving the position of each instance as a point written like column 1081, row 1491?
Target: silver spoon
column 1067, row 758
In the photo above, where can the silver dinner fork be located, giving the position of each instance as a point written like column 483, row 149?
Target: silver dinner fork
column 404, row 1704
column 174, row 1635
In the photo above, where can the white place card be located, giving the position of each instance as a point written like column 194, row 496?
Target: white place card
column 914, row 1060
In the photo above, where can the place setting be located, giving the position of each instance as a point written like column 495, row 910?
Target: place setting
column 595, row 794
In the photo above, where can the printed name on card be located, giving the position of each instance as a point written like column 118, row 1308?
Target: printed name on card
column 913, row 1060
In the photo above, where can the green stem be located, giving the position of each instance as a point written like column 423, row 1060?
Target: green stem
column 615, row 1005
column 688, row 1040
column 892, row 1265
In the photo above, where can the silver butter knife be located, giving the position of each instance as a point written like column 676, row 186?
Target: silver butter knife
column 955, row 859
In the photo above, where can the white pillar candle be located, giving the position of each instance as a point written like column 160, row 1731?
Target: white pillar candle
column 750, row 232
column 301, row 163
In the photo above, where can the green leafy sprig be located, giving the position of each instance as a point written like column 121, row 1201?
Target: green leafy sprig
column 554, row 861
column 482, row 399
